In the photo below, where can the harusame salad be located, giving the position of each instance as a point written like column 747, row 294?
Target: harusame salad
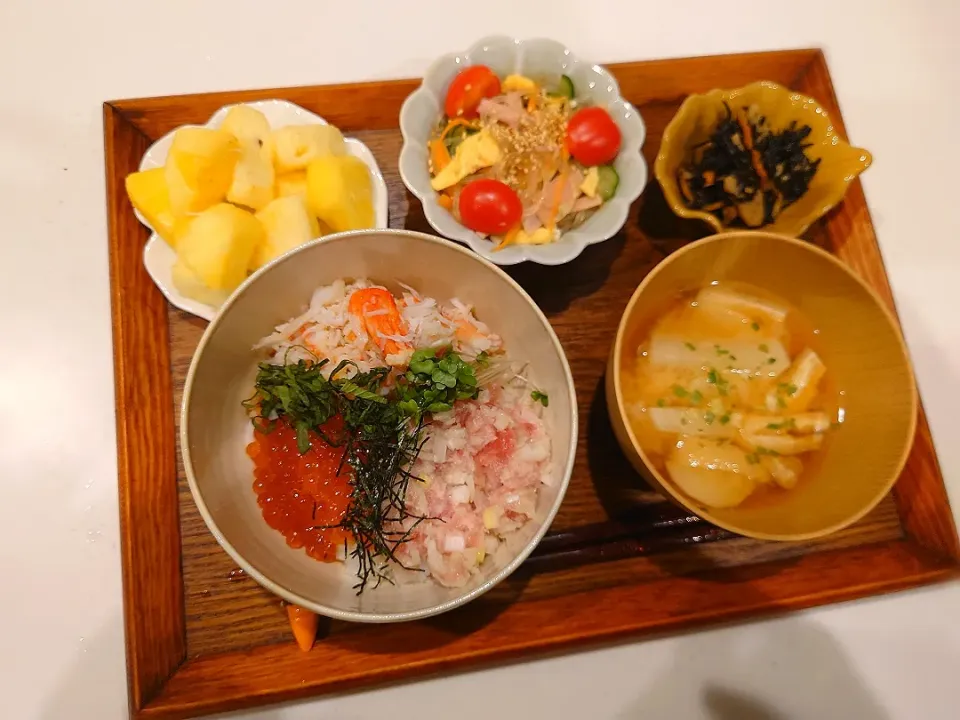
column 520, row 161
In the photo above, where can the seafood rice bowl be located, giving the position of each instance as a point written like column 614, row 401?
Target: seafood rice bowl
column 393, row 432
column 379, row 426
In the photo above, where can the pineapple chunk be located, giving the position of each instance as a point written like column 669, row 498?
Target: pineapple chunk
column 287, row 224
column 189, row 285
column 218, row 244
column 247, row 125
column 295, row 146
column 199, row 168
column 252, row 178
column 148, row 193
column 294, row 183
column 340, row 192
column 591, row 181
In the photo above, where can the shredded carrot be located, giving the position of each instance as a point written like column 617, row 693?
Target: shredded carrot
column 301, row 330
column 747, row 131
column 439, row 155
column 304, row 626
column 509, row 238
column 454, row 123
column 445, row 201
column 557, row 198
column 758, row 166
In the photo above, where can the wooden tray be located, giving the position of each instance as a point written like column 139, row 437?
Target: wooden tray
column 618, row 561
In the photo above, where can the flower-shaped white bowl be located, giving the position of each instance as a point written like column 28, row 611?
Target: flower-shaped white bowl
column 540, row 58
column 159, row 258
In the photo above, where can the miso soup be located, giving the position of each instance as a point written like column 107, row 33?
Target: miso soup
column 729, row 397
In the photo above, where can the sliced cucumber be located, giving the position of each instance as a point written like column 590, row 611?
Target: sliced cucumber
column 607, row 182
column 456, row 136
column 566, row 87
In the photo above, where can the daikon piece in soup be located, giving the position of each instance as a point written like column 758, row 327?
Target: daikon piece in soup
column 729, row 397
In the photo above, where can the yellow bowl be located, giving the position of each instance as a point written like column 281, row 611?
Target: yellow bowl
column 861, row 345
column 840, row 163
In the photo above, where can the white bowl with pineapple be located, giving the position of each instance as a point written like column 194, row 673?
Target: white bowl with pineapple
column 258, row 180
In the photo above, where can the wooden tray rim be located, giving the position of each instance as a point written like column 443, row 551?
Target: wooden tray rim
column 163, row 682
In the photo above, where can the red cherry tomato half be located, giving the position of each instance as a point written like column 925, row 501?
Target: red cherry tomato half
column 593, row 138
column 468, row 88
column 490, row 206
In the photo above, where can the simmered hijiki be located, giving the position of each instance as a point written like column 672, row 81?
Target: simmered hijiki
column 520, row 161
column 392, row 431
column 728, row 397
column 746, row 173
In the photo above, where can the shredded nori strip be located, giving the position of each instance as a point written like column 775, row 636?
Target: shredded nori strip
column 380, row 443
column 380, row 459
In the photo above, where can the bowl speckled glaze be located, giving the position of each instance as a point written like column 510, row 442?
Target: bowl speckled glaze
column 215, row 429
column 840, row 163
column 538, row 58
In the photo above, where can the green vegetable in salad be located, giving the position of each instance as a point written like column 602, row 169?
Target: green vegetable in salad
column 457, row 135
column 608, row 182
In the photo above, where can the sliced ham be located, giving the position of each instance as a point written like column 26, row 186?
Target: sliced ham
column 585, row 202
column 506, row 109
column 568, row 197
column 570, row 191
column 545, row 202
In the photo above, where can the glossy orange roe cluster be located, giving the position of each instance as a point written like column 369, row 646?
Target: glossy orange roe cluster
column 300, row 493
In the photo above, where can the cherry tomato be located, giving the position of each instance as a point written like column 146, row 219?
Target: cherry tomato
column 468, row 88
column 489, row 206
column 593, row 138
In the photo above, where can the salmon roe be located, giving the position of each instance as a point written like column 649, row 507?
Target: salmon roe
column 297, row 493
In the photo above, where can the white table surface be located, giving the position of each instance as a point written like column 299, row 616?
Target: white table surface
column 895, row 66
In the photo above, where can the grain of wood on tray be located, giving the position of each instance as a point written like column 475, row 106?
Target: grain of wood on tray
column 666, row 582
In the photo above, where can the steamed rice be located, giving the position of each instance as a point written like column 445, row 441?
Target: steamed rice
column 328, row 330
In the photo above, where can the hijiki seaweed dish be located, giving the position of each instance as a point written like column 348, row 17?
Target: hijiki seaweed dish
column 392, row 433
column 746, row 173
